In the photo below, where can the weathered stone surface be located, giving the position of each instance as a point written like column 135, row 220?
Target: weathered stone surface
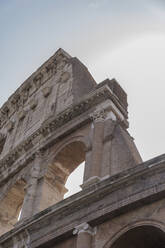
column 57, row 119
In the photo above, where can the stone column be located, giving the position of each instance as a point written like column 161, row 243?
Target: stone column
column 84, row 235
column 98, row 118
column 29, row 204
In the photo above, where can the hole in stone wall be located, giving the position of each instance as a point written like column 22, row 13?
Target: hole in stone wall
column 66, row 161
column 11, row 205
column 75, row 180
column 19, row 215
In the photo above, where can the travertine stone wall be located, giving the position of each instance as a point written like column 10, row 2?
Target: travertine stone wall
column 10, row 206
column 57, row 119
column 150, row 215
column 49, row 91
column 129, row 204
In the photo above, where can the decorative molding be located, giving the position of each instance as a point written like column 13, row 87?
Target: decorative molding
column 50, row 68
column 99, row 115
column 83, row 228
column 6, row 170
column 21, row 114
column 17, row 101
column 111, row 115
column 33, row 103
column 37, row 80
column 46, row 91
column 10, row 126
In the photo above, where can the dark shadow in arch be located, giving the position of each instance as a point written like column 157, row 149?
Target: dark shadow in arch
column 141, row 236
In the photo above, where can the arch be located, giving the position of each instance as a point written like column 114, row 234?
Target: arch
column 77, row 138
column 11, row 204
column 134, row 234
column 63, row 160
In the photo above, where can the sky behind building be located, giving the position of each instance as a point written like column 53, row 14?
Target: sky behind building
column 113, row 38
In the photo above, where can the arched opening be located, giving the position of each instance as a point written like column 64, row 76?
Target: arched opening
column 64, row 163
column 141, row 236
column 75, row 180
column 11, row 205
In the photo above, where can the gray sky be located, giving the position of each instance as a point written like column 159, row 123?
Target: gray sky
column 124, row 39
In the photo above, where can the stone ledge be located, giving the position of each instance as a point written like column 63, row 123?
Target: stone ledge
column 90, row 181
column 96, row 203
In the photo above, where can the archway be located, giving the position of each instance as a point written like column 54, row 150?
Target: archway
column 68, row 158
column 11, row 205
column 146, row 236
column 75, row 180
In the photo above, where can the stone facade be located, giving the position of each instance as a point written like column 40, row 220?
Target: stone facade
column 57, row 119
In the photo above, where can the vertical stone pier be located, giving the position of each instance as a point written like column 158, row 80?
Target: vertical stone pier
column 84, row 234
column 29, row 205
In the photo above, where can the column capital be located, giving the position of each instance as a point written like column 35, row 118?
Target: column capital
column 83, row 228
column 98, row 115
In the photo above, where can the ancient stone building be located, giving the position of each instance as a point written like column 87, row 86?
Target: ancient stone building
column 57, row 119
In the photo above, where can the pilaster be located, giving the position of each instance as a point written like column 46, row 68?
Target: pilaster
column 84, row 234
column 29, row 206
column 98, row 118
